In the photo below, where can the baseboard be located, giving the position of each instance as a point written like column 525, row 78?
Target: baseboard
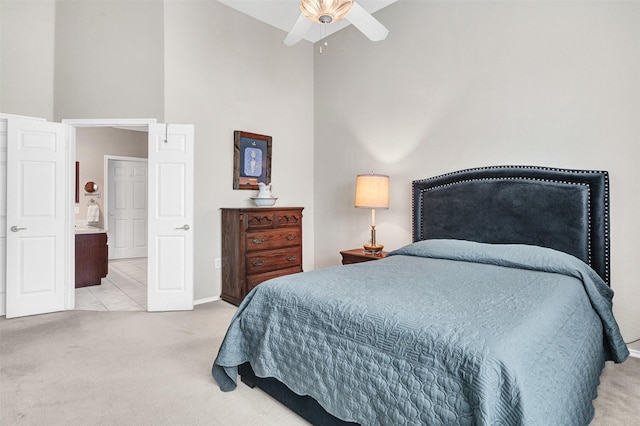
column 634, row 353
column 206, row 300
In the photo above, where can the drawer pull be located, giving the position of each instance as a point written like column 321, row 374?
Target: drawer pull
column 257, row 263
column 290, row 237
column 258, row 240
column 291, row 258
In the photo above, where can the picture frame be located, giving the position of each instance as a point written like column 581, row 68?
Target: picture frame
column 251, row 160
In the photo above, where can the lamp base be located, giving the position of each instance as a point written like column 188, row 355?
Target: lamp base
column 373, row 248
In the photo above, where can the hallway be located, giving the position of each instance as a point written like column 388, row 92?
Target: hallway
column 123, row 289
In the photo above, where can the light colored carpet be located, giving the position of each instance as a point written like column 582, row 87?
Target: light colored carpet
column 138, row 368
column 124, row 368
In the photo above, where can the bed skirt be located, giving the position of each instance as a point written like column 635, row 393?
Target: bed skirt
column 304, row 406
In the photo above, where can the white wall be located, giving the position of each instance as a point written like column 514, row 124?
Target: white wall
column 109, row 59
column 194, row 62
column 226, row 71
column 462, row 84
column 82, row 59
column 27, row 57
column 456, row 84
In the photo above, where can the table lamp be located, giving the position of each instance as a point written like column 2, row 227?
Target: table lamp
column 372, row 192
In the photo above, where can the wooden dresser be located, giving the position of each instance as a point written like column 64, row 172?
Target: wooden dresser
column 258, row 244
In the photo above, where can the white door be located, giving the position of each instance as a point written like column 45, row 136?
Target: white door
column 127, row 208
column 170, row 260
column 3, row 215
column 37, row 217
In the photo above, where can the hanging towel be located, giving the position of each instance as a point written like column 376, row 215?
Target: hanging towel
column 93, row 213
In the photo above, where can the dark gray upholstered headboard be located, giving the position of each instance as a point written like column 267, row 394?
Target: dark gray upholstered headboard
column 567, row 210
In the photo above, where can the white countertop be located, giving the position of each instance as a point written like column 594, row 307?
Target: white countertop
column 89, row 230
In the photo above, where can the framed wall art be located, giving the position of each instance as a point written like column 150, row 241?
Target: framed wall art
column 251, row 160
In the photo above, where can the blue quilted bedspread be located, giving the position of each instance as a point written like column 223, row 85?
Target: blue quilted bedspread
column 439, row 332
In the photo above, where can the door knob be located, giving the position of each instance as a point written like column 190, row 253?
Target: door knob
column 185, row 227
column 17, row 228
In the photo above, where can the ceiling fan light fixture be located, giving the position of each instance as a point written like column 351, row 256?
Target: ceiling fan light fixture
column 325, row 11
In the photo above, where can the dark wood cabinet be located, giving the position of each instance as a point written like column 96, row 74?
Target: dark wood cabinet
column 92, row 259
column 359, row 255
column 258, row 244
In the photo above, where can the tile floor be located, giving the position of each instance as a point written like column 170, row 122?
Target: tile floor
column 123, row 289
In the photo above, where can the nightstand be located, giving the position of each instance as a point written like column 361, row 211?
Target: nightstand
column 358, row 255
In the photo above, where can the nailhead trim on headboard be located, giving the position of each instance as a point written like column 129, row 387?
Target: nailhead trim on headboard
column 523, row 169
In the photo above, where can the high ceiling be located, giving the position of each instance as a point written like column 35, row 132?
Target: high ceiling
column 282, row 14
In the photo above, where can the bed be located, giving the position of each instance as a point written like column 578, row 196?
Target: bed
column 498, row 312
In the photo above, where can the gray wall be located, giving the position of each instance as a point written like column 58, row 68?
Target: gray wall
column 109, row 59
column 27, row 46
column 226, row 71
column 465, row 84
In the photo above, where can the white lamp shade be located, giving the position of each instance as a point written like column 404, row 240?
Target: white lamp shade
column 372, row 191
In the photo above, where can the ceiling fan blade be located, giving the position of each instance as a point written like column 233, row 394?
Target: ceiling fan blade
column 366, row 23
column 298, row 31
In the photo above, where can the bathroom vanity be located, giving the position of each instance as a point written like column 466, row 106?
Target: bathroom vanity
column 92, row 256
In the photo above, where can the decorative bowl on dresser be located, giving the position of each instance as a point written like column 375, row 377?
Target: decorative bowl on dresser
column 264, row 202
column 258, row 244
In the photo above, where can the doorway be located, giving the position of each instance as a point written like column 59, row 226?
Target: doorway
column 40, row 256
column 116, row 159
column 170, row 203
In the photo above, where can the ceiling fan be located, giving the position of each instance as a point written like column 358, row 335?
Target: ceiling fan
column 331, row 11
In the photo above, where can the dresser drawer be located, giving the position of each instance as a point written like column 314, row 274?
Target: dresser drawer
column 266, row 261
column 254, row 280
column 289, row 218
column 277, row 238
column 260, row 220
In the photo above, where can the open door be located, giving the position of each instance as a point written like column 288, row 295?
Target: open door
column 36, row 224
column 171, row 193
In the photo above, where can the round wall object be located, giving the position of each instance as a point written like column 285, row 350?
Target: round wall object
column 90, row 187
